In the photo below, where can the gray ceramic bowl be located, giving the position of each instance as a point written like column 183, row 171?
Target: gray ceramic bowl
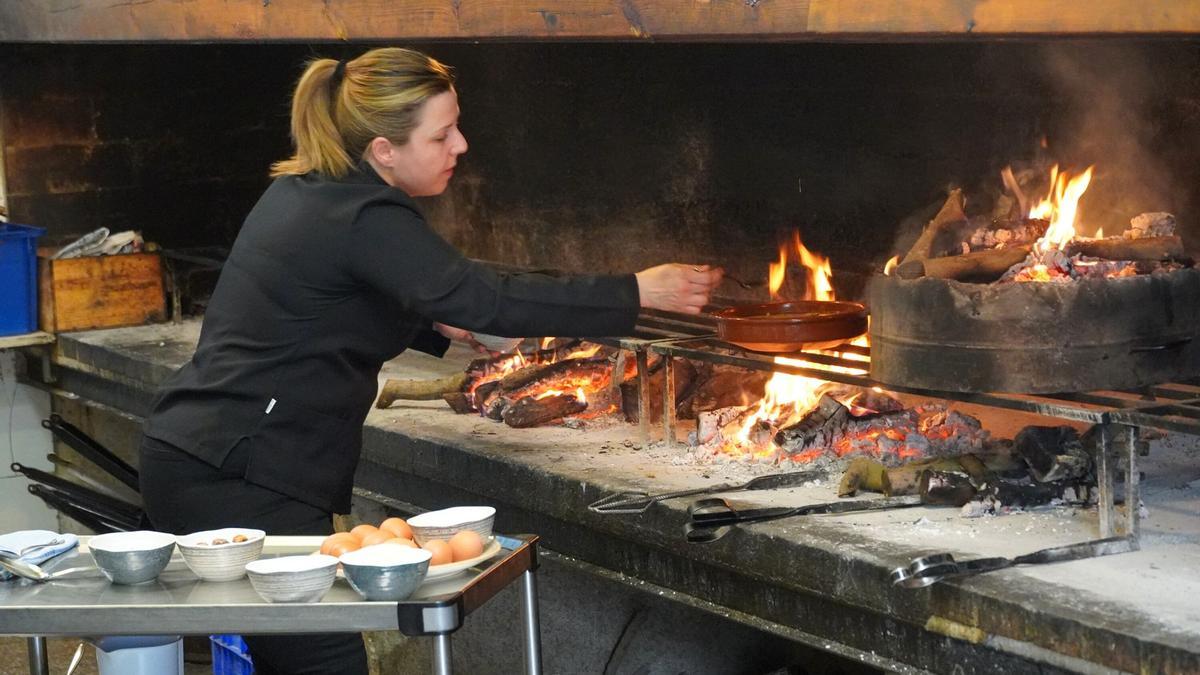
column 446, row 523
column 132, row 557
column 386, row 571
column 293, row 578
column 221, row 562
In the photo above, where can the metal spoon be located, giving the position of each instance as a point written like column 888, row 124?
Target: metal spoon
column 35, row 573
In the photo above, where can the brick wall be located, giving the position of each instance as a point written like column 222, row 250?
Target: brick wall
column 618, row 156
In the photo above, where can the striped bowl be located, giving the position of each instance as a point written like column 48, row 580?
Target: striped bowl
column 445, row 523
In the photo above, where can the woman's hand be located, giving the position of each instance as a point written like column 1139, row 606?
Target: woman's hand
column 678, row 288
column 460, row 335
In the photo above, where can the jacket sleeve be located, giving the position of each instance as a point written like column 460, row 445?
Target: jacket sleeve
column 394, row 250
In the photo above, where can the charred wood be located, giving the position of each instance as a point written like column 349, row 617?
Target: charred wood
column 819, row 427
column 530, row 411
column 725, row 386
column 459, row 402
column 683, row 375
column 539, row 374
column 1146, row 248
column 934, row 237
column 495, row 407
column 977, row 267
column 1053, row 453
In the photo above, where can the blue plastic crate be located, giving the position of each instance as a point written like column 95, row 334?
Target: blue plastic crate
column 18, row 278
column 230, row 655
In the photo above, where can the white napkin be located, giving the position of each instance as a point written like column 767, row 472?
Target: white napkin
column 14, row 542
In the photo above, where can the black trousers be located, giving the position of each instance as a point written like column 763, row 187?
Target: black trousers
column 183, row 494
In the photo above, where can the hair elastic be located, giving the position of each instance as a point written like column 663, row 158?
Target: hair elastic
column 339, row 72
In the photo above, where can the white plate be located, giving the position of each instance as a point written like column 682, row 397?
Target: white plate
column 449, row 569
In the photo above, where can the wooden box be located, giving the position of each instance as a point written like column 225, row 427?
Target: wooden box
column 100, row 292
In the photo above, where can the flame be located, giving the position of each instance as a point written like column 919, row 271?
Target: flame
column 1061, row 208
column 546, row 341
column 581, row 395
column 776, row 273
column 1099, row 233
column 817, row 271
column 787, row 398
column 891, row 265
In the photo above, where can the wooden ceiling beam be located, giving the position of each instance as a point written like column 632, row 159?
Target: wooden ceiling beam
column 629, row 20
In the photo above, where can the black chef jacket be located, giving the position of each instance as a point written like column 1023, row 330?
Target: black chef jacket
column 327, row 280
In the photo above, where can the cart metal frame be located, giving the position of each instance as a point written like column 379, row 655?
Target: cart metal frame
column 179, row 603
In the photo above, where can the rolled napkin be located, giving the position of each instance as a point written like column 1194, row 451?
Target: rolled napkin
column 48, row 544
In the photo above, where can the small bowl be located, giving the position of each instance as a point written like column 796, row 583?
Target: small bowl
column 221, row 562
column 386, row 571
column 292, row 578
column 445, row 523
column 132, row 557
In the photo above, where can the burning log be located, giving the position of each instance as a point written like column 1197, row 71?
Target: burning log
column 819, row 427
column 494, row 408
column 570, row 368
column 932, row 237
column 684, row 376
column 977, row 267
column 459, row 402
column 531, row 411
column 724, row 387
column 1145, row 248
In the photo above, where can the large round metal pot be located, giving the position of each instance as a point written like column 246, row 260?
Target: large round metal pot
column 791, row 326
column 1083, row 335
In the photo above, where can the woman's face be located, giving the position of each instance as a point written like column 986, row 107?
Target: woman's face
column 423, row 166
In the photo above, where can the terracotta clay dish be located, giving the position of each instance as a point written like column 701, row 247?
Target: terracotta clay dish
column 791, row 326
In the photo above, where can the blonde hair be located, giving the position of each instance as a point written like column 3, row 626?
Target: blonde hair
column 379, row 94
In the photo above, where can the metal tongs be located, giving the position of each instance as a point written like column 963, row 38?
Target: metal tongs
column 638, row 502
column 930, row 569
column 710, row 519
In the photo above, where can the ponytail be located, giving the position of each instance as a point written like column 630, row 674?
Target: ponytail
column 339, row 107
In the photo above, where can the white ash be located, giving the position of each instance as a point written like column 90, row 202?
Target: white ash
column 1153, row 224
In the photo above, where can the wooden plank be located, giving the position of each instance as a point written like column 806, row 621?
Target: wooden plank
column 26, row 340
column 101, row 292
column 252, row 21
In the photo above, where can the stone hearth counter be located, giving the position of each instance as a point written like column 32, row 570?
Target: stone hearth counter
column 823, row 580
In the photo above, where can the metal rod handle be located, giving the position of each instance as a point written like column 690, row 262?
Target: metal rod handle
column 533, row 633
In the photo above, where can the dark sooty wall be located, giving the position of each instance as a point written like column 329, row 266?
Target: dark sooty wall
column 619, row 156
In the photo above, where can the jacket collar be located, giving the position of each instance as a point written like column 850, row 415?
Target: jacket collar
column 364, row 174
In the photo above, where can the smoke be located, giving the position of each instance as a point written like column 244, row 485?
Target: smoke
column 1109, row 107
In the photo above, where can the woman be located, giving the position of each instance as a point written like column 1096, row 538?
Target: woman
column 334, row 272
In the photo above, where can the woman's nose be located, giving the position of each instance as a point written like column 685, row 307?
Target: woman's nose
column 461, row 146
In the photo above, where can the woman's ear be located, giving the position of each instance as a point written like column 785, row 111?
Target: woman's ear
column 382, row 151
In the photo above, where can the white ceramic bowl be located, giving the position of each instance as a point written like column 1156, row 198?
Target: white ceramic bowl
column 221, row 562
column 386, row 571
column 444, row 523
column 132, row 557
column 292, row 578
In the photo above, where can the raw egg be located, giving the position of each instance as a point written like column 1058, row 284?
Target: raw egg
column 363, row 530
column 440, row 550
column 465, row 544
column 401, row 541
column 398, row 527
column 337, row 544
column 376, row 537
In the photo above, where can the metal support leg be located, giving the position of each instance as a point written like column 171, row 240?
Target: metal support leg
column 39, row 659
column 668, row 413
column 1133, row 491
column 441, row 654
column 533, row 630
column 1104, row 476
column 643, row 376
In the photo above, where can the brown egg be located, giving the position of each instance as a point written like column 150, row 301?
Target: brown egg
column 401, row 541
column 398, row 527
column 465, row 544
column 337, row 548
column 363, row 530
column 440, row 550
column 336, row 538
column 376, row 537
